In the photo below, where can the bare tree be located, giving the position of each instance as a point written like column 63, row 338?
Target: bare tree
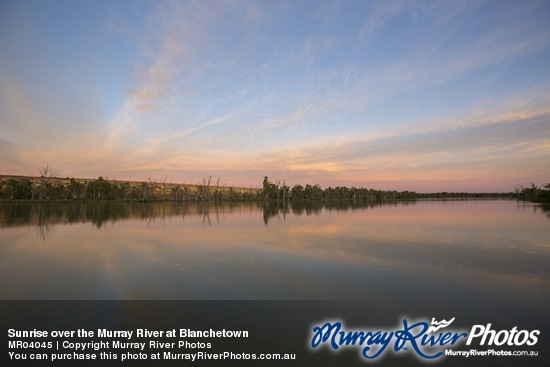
column 277, row 191
column 217, row 195
column 162, row 182
column 518, row 189
column 205, row 186
column 151, row 186
column 46, row 175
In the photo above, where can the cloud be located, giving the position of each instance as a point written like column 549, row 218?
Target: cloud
column 382, row 13
column 482, row 150
column 165, row 58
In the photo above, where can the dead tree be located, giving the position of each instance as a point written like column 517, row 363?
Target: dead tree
column 519, row 190
column 44, row 180
column 205, row 187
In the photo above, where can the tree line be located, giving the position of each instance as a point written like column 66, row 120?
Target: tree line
column 279, row 191
column 47, row 186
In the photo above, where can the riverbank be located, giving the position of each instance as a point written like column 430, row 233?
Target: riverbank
column 47, row 187
column 52, row 188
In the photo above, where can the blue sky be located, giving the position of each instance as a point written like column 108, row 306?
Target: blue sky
column 406, row 95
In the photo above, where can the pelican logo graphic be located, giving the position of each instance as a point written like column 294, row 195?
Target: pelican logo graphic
column 439, row 325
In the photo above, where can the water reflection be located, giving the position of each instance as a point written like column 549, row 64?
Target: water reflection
column 280, row 210
column 44, row 215
column 47, row 214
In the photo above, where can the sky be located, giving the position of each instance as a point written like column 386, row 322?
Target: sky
column 424, row 95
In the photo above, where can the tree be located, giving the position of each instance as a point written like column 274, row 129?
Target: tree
column 144, row 191
column 60, row 191
column 204, row 187
column 126, row 190
column 297, row 192
column 19, row 189
column 269, row 190
column 518, row 191
column 46, row 176
column 285, row 189
column 313, row 192
column 76, row 188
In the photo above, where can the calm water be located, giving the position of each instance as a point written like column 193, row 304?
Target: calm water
column 488, row 252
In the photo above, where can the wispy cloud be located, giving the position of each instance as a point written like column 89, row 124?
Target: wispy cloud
column 380, row 15
column 494, row 144
column 335, row 93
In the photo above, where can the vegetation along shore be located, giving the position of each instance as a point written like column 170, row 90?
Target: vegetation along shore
column 48, row 186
